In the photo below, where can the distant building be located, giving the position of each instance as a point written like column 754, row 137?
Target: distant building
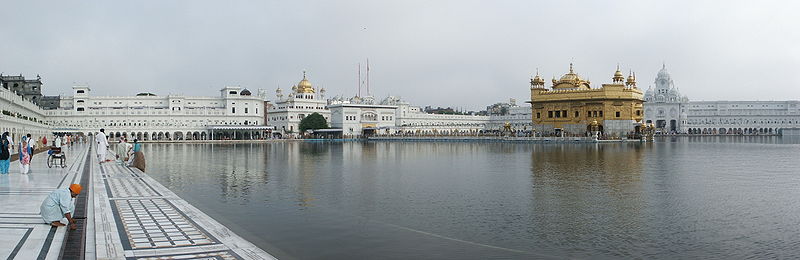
column 362, row 119
column 664, row 105
column 29, row 89
column 519, row 117
column 235, row 114
column 412, row 119
column 572, row 105
column 741, row 117
column 672, row 112
column 50, row 102
column 287, row 112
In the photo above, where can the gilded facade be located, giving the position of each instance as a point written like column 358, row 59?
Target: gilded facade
column 571, row 105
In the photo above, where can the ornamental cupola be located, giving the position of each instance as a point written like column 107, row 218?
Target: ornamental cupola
column 537, row 81
column 618, row 78
column 631, row 82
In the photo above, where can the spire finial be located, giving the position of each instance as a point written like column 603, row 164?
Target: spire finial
column 537, row 71
column 663, row 65
column 617, row 66
column 304, row 74
column 570, row 67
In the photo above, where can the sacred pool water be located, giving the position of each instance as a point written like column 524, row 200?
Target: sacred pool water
column 710, row 197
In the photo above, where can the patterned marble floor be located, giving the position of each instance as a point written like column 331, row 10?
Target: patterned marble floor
column 23, row 233
column 135, row 217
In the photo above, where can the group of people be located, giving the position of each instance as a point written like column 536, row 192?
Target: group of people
column 125, row 153
column 58, row 207
column 25, row 150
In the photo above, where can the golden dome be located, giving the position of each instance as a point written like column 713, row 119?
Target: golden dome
column 304, row 86
column 571, row 76
column 571, row 81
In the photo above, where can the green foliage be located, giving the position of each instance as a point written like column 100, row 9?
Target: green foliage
column 313, row 121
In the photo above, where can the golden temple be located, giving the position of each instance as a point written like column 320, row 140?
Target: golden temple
column 571, row 105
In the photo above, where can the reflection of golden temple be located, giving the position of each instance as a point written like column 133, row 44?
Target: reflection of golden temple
column 572, row 105
column 611, row 173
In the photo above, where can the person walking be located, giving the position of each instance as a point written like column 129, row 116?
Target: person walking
column 10, row 141
column 122, row 150
column 57, row 142
column 102, row 145
column 24, row 155
column 5, row 153
column 31, row 147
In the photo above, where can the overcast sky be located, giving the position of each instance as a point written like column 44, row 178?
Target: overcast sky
column 450, row 53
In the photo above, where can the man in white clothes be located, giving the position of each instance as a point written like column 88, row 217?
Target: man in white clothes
column 10, row 147
column 57, row 143
column 102, row 145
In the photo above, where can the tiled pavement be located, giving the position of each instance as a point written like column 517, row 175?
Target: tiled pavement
column 23, row 233
column 135, row 217
column 131, row 216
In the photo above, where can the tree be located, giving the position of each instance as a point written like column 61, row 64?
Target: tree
column 313, row 121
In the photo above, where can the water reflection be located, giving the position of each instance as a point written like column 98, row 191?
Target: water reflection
column 698, row 197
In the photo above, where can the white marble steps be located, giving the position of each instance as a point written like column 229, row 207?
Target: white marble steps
column 135, row 217
column 23, row 233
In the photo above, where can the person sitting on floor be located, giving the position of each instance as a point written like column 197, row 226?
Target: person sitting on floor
column 58, row 205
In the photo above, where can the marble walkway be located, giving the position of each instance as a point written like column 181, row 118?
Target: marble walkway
column 135, row 217
column 23, row 233
column 129, row 216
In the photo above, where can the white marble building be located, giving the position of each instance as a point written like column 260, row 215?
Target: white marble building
column 672, row 112
column 412, row 119
column 362, row 119
column 664, row 105
column 354, row 115
column 150, row 117
column 519, row 117
column 741, row 117
column 20, row 116
column 392, row 115
column 287, row 111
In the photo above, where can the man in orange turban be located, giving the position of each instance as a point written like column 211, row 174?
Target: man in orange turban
column 59, row 205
